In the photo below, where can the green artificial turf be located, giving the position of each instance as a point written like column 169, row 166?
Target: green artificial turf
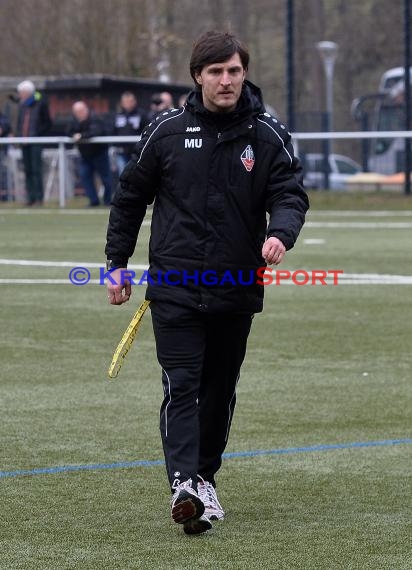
column 325, row 365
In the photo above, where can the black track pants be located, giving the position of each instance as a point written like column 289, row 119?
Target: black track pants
column 200, row 355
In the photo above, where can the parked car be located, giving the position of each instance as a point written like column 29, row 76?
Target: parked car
column 340, row 169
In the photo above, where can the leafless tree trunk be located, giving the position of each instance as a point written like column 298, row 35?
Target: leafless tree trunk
column 131, row 37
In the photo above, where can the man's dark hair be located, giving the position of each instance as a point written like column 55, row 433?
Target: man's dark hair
column 216, row 47
column 156, row 99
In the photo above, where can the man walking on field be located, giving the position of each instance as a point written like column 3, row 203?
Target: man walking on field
column 213, row 169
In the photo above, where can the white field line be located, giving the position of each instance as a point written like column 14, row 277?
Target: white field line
column 45, row 282
column 102, row 212
column 309, row 223
column 377, row 281
column 361, row 225
column 343, row 279
column 361, row 214
column 311, row 213
column 41, row 281
column 357, row 281
column 36, row 211
column 57, row 211
column 36, row 263
column 144, row 267
column 382, row 280
column 314, row 241
column 342, row 225
column 86, row 212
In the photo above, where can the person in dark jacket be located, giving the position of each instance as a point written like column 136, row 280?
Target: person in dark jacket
column 214, row 169
column 94, row 157
column 33, row 120
column 159, row 103
column 129, row 121
column 5, row 129
column 4, row 125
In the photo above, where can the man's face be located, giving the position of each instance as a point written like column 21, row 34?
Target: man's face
column 162, row 103
column 80, row 111
column 222, row 84
column 24, row 95
column 128, row 102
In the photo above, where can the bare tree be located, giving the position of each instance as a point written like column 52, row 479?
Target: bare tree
column 131, row 37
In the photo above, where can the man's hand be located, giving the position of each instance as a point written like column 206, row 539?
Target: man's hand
column 77, row 136
column 273, row 251
column 121, row 292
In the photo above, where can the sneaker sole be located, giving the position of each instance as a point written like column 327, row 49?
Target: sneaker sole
column 197, row 526
column 213, row 517
column 187, row 507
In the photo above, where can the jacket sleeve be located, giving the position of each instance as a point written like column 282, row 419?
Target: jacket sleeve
column 5, row 125
column 145, row 120
column 71, row 128
column 45, row 122
column 136, row 189
column 95, row 128
column 286, row 200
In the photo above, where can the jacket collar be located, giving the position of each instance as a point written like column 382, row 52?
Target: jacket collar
column 250, row 103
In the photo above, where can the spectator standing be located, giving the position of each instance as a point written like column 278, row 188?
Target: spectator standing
column 182, row 100
column 160, row 102
column 4, row 132
column 94, row 157
column 129, row 121
column 33, row 120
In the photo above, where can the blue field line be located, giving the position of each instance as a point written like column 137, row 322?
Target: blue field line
column 231, row 455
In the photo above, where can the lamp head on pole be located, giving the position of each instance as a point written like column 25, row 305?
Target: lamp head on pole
column 328, row 52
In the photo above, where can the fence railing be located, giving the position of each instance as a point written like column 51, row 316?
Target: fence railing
column 61, row 153
column 61, row 143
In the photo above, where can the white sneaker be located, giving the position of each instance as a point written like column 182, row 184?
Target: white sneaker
column 187, row 509
column 207, row 494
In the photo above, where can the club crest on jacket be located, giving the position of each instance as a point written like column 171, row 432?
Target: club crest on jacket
column 248, row 158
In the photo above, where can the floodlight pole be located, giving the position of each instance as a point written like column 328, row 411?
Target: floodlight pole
column 408, row 98
column 328, row 52
column 290, row 71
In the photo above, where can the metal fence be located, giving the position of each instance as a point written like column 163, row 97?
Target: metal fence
column 60, row 165
column 60, row 158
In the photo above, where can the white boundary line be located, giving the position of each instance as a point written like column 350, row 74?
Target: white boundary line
column 37, row 263
column 144, row 267
column 314, row 241
column 46, row 282
column 359, row 281
column 106, row 211
column 343, row 279
column 361, row 225
column 86, row 212
column 47, row 211
column 361, row 214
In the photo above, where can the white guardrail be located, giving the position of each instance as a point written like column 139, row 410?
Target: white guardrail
column 62, row 142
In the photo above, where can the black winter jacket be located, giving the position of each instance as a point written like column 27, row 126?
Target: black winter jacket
column 129, row 124
column 93, row 126
column 39, row 122
column 4, row 126
column 212, row 178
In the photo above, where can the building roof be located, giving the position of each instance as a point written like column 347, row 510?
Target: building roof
column 84, row 81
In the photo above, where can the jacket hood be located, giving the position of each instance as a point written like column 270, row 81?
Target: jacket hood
column 250, row 101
